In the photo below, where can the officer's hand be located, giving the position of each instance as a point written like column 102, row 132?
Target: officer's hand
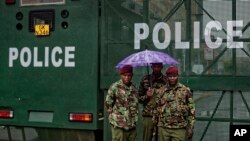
column 150, row 92
column 189, row 133
column 109, row 110
column 159, row 109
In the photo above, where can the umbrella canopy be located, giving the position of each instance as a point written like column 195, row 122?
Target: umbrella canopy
column 143, row 58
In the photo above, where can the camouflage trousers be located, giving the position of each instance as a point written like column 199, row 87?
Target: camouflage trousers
column 148, row 129
column 119, row 134
column 167, row 134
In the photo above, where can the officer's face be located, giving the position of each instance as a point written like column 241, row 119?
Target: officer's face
column 156, row 68
column 172, row 79
column 126, row 78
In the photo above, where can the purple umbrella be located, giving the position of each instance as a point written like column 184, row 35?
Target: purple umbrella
column 143, row 58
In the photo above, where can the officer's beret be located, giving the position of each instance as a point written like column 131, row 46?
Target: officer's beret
column 172, row 70
column 126, row 69
column 159, row 63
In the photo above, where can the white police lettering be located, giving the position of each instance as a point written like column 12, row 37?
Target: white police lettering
column 178, row 43
column 68, row 55
column 167, row 35
column 13, row 55
column 54, row 52
column 140, row 36
column 55, row 57
column 141, row 32
column 36, row 62
column 212, row 24
column 231, row 34
column 196, row 35
column 25, row 52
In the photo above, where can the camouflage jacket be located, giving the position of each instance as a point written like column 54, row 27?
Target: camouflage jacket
column 149, row 103
column 122, row 105
column 176, row 107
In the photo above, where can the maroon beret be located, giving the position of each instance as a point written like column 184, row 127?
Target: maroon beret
column 172, row 70
column 126, row 69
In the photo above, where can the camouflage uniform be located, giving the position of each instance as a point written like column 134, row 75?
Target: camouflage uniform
column 177, row 111
column 122, row 104
column 149, row 104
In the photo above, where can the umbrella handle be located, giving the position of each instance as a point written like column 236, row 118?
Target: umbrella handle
column 149, row 79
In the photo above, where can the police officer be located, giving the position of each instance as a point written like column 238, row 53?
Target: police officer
column 122, row 105
column 150, row 82
column 176, row 109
